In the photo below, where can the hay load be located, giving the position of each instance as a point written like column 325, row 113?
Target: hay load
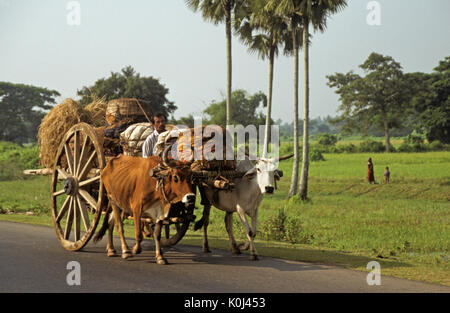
column 60, row 119
column 97, row 111
column 55, row 125
column 108, row 118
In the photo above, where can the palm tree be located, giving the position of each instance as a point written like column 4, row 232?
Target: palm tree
column 304, row 13
column 292, row 45
column 271, row 32
column 218, row 11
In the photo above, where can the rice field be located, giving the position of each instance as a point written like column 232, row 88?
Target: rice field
column 405, row 225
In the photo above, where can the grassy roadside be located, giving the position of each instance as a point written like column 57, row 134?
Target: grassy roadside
column 405, row 225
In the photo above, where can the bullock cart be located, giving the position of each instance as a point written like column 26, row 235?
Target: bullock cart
column 78, row 196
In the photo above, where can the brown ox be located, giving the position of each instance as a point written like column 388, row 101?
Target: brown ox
column 144, row 187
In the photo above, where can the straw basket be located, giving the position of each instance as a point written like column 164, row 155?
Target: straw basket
column 127, row 110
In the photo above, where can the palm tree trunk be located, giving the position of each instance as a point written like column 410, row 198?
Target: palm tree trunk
column 294, row 178
column 303, row 191
column 386, row 132
column 269, row 101
column 228, row 44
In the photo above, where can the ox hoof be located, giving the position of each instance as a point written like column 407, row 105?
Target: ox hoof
column 148, row 234
column 111, row 253
column 161, row 261
column 126, row 255
column 244, row 246
column 236, row 251
column 254, row 257
column 137, row 250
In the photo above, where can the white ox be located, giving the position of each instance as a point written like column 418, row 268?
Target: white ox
column 244, row 199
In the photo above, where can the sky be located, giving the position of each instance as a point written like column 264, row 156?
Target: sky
column 166, row 40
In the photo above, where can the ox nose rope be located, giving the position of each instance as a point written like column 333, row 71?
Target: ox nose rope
column 160, row 184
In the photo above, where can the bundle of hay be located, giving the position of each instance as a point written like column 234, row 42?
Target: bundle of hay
column 97, row 111
column 60, row 119
column 55, row 125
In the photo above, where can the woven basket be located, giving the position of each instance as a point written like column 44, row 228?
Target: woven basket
column 127, row 109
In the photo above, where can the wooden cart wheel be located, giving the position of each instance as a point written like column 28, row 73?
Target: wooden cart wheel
column 77, row 193
column 177, row 229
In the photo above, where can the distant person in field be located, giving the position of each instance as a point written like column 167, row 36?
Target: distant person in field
column 370, row 173
column 387, row 175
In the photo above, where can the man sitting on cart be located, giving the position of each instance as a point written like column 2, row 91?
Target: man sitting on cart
column 159, row 122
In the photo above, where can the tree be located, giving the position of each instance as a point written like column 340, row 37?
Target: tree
column 302, row 13
column 219, row 11
column 378, row 99
column 22, row 107
column 431, row 102
column 271, row 32
column 243, row 106
column 188, row 121
column 129, row 84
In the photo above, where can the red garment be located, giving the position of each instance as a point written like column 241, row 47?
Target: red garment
column 370, row 173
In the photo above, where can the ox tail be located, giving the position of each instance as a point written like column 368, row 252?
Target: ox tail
column 105, row 225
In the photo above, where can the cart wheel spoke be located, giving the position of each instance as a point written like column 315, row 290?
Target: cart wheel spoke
column 84, row 213
column 59, row 192
column 76, row 212
column 62, row 172
column 83, row 155
column 76, row 152
column 87, row 197
column 69, row 220
column 89, row 181
column 63, row 210
column 87, row 167
column 69, row 157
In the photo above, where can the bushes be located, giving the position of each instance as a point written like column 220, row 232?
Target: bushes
column 371, row 146
column 327, row 139
column 412, row 143
column 9, row 171
column 436, row 146
column 349, row 148
column 284, row 227
column 14, row 159
column 417, row 146
column 316, row 155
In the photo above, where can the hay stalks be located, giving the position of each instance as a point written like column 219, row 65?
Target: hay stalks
column 60, row 119
column 96, row 109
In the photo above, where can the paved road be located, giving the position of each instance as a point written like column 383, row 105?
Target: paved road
column 31, row 260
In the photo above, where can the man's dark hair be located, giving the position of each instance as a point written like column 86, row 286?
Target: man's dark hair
column 159, row 115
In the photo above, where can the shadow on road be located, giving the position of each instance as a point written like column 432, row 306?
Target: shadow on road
column 293, row 259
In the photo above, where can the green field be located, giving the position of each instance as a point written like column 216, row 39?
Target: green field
column 404, row 225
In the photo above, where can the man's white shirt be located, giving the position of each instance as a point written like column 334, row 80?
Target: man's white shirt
column 148, row 148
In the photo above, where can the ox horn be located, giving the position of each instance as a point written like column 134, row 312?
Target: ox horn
column 164, row 155
column 285, row 157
